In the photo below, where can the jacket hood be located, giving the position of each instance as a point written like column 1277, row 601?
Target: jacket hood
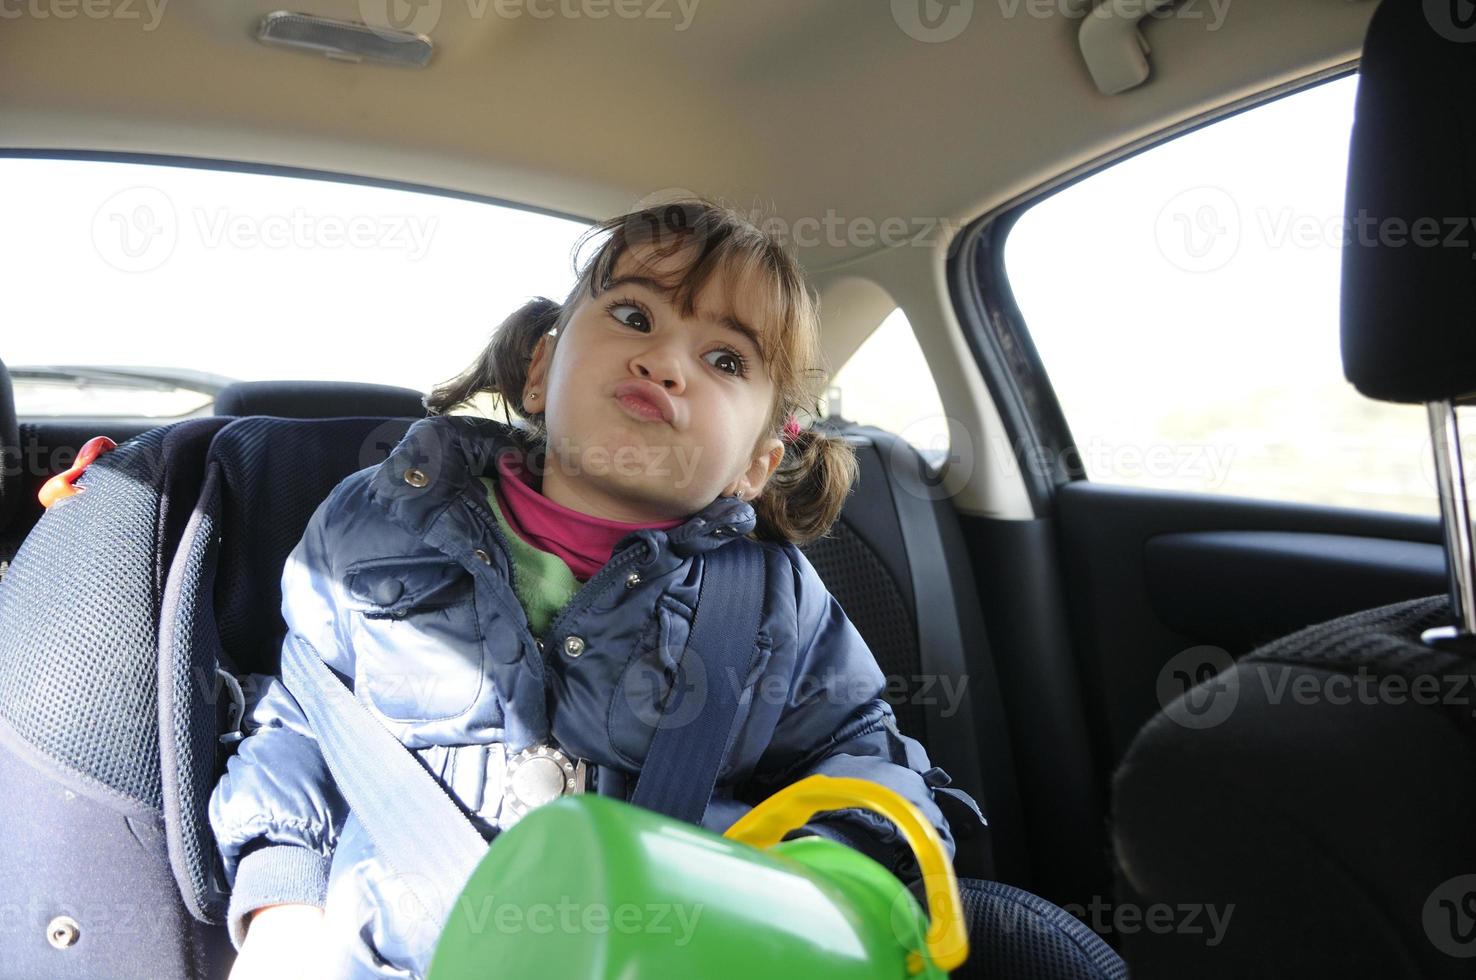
column 441, row 455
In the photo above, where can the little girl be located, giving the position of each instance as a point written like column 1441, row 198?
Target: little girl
column 656, row 423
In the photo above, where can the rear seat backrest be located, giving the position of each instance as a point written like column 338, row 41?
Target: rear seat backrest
column 896, row 563
column 318, row 400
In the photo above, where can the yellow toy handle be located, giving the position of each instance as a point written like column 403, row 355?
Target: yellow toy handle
column 765, row 825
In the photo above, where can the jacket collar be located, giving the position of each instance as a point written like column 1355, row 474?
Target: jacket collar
column 441, row 456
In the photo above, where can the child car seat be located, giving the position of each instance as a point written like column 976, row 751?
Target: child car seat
column 128, row 613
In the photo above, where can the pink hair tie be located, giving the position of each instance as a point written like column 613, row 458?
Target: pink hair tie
column 791, row 429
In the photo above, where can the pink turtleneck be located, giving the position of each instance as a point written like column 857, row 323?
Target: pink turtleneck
column 585, row 543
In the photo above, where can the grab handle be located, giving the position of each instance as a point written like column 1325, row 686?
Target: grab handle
column 947, row 938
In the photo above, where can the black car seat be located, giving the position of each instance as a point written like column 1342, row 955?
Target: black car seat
column 134, row 605
column 1323, row 788
column 318, row 400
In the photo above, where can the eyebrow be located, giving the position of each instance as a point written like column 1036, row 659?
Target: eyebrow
column 727, row 320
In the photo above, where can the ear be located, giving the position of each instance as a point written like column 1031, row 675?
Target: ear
column 537, row 376
column 770, row 454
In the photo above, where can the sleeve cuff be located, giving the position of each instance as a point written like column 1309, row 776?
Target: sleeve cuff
column 275, row 874
column 898, row 860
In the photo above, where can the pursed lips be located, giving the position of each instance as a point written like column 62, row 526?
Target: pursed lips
column 644, row 401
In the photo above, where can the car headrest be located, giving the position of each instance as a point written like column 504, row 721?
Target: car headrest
column 318, row 400
column 11, row 484
column 1409, row 252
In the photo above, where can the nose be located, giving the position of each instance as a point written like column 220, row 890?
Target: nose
column 662, row 364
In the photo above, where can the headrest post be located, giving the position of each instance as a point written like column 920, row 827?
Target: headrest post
column 1455, row 513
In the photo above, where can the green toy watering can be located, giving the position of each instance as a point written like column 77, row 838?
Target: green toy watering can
column 587, row 887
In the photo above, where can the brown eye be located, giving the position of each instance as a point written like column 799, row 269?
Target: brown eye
column 631, row 316
column 739, row 368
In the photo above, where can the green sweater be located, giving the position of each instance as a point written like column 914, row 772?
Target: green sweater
column 543, row 581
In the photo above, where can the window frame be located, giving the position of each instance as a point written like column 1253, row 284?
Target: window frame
column 281, row 170
column 996, row 330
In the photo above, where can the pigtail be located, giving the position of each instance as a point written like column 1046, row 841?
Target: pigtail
column 804, row 496
column 502, row 367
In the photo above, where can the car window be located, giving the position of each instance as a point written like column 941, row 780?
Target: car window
column 1184, row 303
column 138, row 289
column 887, row 383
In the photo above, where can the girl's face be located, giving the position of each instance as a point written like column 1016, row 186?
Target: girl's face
column 650, row 414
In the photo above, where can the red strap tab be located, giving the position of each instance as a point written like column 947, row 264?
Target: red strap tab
column 60, row 487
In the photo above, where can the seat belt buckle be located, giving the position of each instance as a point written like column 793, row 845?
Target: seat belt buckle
column 235, row 711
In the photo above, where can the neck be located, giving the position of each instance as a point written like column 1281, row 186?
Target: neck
column 582, row 496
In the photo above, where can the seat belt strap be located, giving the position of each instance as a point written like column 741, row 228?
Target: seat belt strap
column 681, row 766
column 419, row 831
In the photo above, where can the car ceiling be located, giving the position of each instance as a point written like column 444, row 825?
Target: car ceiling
column 813, row 110
column 809, row 109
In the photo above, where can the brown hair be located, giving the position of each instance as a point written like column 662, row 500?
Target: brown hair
column 804, row 496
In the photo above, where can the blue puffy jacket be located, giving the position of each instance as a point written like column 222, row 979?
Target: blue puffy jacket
column 402, row 584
